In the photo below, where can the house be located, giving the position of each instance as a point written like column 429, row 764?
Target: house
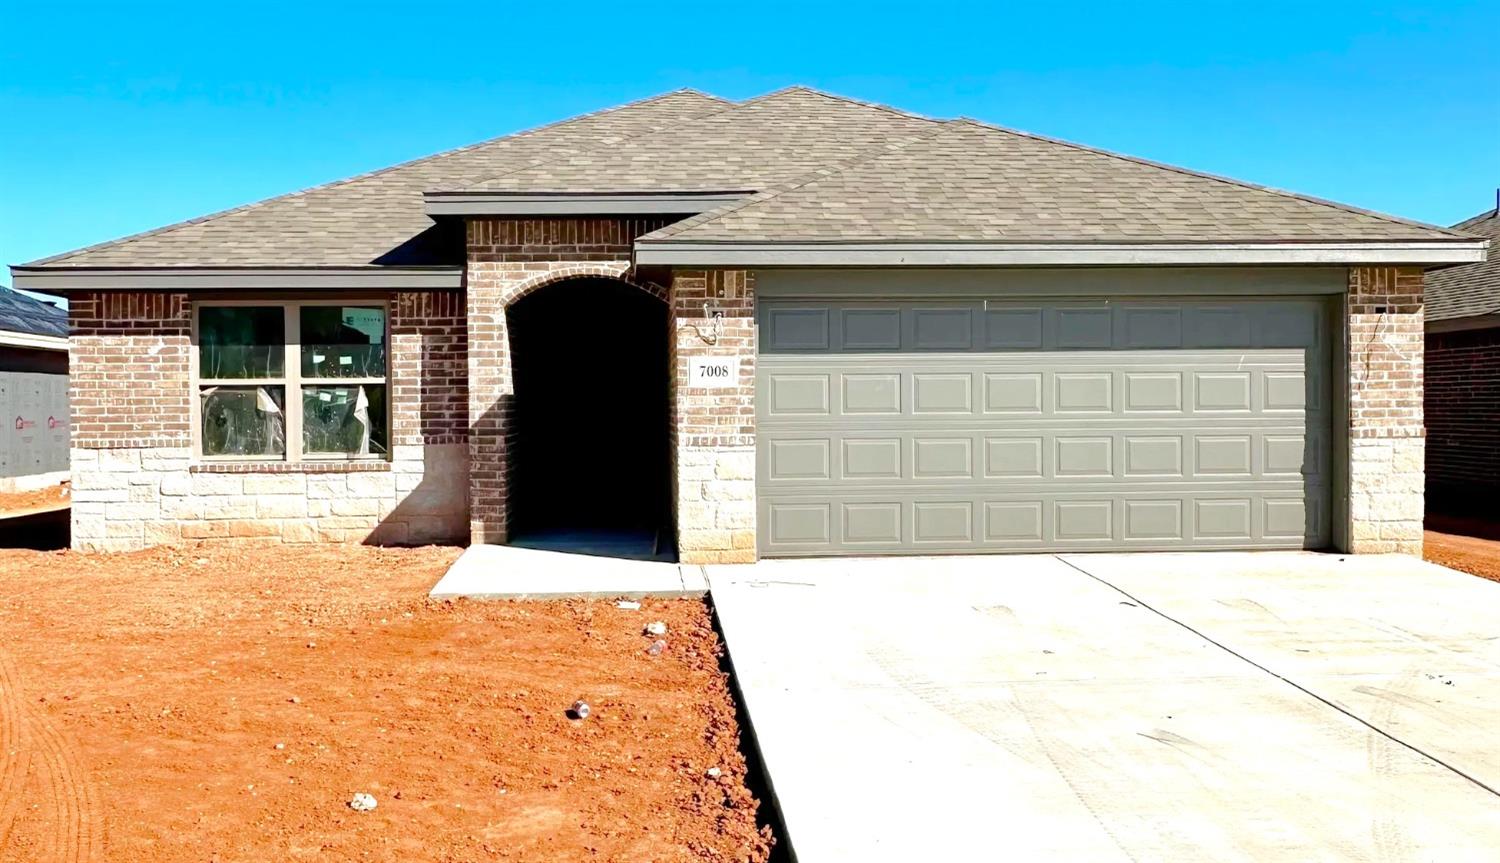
column 33, row 392
column 793, row 325
column 1463, row 380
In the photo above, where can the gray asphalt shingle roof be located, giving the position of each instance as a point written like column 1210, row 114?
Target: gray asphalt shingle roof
column 824, row 168
column 1470, row 289
column 751, row 146
column 971, row 182
column 22, row 314
column 375, row 217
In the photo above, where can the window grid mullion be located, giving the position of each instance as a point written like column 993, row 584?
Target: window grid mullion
column 294, row 381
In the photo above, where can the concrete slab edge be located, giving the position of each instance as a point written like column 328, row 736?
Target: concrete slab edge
column 751, row 738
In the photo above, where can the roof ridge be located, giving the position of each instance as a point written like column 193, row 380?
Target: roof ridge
column 332, row 184
column 1308, row 199
column 729, row 108
column 1491, row 213
column 797, row 182
column 900, row 112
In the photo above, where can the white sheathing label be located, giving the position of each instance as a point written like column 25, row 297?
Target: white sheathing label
column 713, row 372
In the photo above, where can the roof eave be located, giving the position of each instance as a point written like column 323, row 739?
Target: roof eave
column 911, row 254
column 480, row 203
column 33, row 341
column 62, row 279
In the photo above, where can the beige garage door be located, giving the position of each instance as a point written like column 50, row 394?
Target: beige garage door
column 982, row 426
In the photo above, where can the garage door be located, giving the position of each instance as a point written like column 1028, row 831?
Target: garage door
column 978, row 426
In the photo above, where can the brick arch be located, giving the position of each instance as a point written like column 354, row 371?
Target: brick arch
column 620, row 272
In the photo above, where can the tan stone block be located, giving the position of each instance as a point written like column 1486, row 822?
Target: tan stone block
column 742, row 539
column 355, row 506
column 217, row 483
column 143, row 493
column 697, row 540
column 88, row 526
column 137, row 511
column 1401, row 530
column 331, row 486
column 183, row 508
column 372, row 484
column 1362, row 530
column 253, row 527
column 317, row 508
column 281, row 506
column 299, row 530
column 100, row 495
column 363, row 523
column 98, row 480
column 292, row 483
column 118, row 529
column 1410, row 457
column 223, row 506
column 162, row 532
column 119, row 460
column 728, row 490
column 177, row 484
column 388, row 533
column 735, row 465
column 205, row 529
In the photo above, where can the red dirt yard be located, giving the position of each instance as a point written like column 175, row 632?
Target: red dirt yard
column 224, row 704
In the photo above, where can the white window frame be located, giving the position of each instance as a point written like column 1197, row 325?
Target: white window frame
column 291, row 382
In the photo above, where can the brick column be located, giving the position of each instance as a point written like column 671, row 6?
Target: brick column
column 1386, row 440
column 713, row 430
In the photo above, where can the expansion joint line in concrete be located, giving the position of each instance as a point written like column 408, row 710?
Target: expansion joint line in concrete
column 1288, row 681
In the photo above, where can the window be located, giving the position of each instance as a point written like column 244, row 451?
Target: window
column 291, row 381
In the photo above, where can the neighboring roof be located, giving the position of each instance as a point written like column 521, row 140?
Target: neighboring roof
column 22, row 314
column 376, row 217
column 972, row 182
column 793, row 166
column 1472, row 289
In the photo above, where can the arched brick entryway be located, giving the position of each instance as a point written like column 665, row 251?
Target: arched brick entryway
column 494, row 420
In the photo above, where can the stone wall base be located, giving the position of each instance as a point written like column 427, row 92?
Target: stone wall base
column 130, row 498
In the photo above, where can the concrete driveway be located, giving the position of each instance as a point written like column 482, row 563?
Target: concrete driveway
column 1123, row 707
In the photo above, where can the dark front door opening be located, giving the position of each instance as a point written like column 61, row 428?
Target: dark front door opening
column 590, row 443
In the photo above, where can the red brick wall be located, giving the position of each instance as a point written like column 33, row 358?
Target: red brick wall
column 429, row 374
column 128, row 369
column 129, row 376
column 1463, row 419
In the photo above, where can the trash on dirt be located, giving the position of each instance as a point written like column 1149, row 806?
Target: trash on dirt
column 362, row 802
column 579, row 710
column 628, row 605
column 656, row 627
column 294, row 700
column 657, row 647
column 281, row 746
column 713, row 773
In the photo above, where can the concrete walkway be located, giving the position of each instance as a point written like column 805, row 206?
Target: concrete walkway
column 1155, row 707
column 508, row 572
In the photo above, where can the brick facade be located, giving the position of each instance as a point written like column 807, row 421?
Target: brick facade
column 713, row 430
column 134, row 478
column 1384, row 333
column 451, row 390
column 508, row 259
column 1462, row 406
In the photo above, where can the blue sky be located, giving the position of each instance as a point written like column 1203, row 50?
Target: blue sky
column 115, row 120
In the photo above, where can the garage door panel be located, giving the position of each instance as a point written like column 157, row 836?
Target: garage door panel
column 992, row 426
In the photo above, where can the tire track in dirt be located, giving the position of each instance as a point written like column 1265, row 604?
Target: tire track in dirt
column 68, row 809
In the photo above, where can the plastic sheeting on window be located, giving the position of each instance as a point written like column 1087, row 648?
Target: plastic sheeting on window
column 349, row 420
column 244, row 421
